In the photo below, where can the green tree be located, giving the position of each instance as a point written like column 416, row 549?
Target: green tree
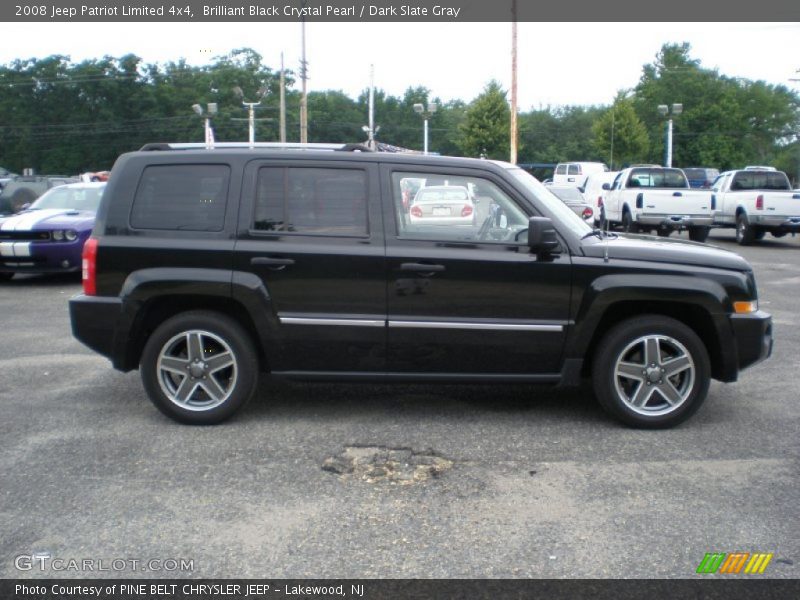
column 620, row 135
column 486, row 125
column 726, row 122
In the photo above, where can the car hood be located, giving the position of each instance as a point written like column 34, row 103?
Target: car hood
column 49, row 218
column 664, row 250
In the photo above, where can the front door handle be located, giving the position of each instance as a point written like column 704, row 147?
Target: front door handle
column 421, row 268
column 272, row 262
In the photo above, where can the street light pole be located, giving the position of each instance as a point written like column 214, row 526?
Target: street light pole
column 209, row 132
column 426, row 113
column 672, row 111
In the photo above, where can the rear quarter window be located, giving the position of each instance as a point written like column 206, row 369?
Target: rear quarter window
column 181, row 197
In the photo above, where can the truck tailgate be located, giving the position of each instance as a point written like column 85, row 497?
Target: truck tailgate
column 676, row 202
column 785, row 204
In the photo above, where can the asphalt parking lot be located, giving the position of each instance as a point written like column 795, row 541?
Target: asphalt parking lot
column 504, row 482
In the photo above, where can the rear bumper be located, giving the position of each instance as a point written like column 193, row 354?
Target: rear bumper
column 95, row 323
column 776, row 221
column 676, row 221
column 753, row 336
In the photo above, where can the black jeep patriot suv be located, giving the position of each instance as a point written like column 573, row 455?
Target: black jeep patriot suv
column 207, row 267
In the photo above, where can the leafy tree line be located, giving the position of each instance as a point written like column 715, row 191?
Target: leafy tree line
column 63, row 117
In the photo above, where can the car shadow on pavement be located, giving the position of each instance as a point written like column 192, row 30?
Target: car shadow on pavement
column 33, row 280
column 278, row 399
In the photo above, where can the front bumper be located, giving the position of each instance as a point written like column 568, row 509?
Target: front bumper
column 41, row 257
column 676, row 221
column 753, row 336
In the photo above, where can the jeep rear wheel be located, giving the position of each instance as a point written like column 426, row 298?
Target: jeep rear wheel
column 651, row 372
column 199, row 367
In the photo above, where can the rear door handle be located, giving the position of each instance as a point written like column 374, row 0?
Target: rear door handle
column 421, row 268
column 270, row 261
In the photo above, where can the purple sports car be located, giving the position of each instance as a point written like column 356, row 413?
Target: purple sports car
column 48, row 237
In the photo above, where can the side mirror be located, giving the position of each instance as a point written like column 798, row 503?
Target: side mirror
column 606, row 186
column 542, row 237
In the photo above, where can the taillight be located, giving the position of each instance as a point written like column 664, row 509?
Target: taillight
column 587, row 212
column 416, row 211
column 760, row 202
column 89, row 267
column 466, row 211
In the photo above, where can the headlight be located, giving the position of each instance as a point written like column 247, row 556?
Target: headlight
column 58, row 235
column 71, row 235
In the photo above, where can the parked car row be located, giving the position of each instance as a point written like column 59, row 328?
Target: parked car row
column 651, row 199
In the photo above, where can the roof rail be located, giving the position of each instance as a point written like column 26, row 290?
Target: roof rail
column 162, row 146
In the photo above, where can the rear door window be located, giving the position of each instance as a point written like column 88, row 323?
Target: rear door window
column 311, row 201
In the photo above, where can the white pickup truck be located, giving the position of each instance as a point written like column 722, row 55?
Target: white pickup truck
column 652, row 197
column 756, row 201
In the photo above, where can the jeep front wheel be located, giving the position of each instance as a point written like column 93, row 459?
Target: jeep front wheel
column 651, row 372
column 199, row 367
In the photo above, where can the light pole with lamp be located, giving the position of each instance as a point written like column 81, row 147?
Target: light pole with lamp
column 426, row 113
column 251, row 112
column 672, row 111
column 211, row 108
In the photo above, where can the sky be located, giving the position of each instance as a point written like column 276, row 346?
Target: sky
column 558, row 63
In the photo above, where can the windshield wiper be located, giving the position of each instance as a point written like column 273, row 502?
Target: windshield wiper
column 599, row 233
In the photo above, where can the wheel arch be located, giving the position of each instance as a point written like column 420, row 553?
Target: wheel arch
column 699, row 304
column 149, row 300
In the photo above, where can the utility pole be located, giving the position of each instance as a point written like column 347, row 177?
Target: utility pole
column 513, row 157
column 303, row 78
column 283, row 105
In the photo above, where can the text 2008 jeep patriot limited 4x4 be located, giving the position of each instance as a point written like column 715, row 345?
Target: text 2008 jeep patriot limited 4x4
column 207, row 267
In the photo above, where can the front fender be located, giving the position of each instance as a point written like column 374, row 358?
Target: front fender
column 687, row 297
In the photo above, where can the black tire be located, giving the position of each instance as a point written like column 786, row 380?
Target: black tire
column 627, row 346
column 758, row 234
column 6, row 276
column 216, row 384
column 745, row 235
column 699, row 234
column 628, row 226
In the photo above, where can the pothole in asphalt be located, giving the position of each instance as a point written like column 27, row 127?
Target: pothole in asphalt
column 379, row 464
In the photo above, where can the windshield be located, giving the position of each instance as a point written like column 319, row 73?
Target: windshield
column 657, row 178
column 558, row 210
column 760, row 180
column 74, row 198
